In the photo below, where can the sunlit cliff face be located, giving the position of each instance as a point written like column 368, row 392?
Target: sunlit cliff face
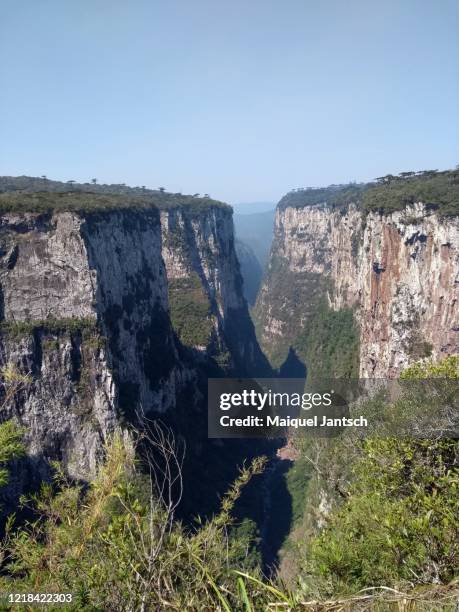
column 399, row 271
column 85, row 309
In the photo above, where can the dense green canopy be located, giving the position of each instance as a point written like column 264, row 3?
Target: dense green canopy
column 439, row 190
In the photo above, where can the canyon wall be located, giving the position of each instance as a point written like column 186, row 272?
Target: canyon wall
column 89, row 312
column 204, row 282
column 398, row 272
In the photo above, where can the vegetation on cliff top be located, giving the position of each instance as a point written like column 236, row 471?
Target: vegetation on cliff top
column 335, row 196
column 438, row 190
column 28, row 194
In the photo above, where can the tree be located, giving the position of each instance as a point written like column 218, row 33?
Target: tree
column 388, row 178
column 161, row 189
column 94, row 181
column 427, row 173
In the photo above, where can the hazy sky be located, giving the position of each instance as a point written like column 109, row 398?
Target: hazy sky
column 242, row 99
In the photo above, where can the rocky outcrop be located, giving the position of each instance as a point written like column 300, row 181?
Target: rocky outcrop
column 67, row 408
column 398, row 271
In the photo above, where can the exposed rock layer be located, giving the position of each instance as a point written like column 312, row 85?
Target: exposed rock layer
column 399, row 271
column 84, row 304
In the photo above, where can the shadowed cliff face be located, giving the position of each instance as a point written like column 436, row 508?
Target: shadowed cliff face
column 85, row 310
column 200, row 260
column 399, row 273
column 251, row 271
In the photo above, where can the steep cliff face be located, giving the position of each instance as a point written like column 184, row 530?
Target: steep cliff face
column 398, row 272
column 205, row 283
column 84, row 300
column 84, row 306
column 251, row 270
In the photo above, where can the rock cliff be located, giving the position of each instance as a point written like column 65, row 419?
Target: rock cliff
column 251, row 271
column 397, row 271
column 111, row 310
column 205, row 284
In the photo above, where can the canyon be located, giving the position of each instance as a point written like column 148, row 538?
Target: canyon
column 118, row 305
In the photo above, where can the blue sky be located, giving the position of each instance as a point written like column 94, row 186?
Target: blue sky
column 242, row 99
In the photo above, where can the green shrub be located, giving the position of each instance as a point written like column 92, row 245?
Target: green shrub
column 399, row 523
column 115, row 546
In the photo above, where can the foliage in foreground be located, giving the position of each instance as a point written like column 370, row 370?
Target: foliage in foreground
column 117, row 547
column 391, row 545
column 11, row 447
column 399, row 522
